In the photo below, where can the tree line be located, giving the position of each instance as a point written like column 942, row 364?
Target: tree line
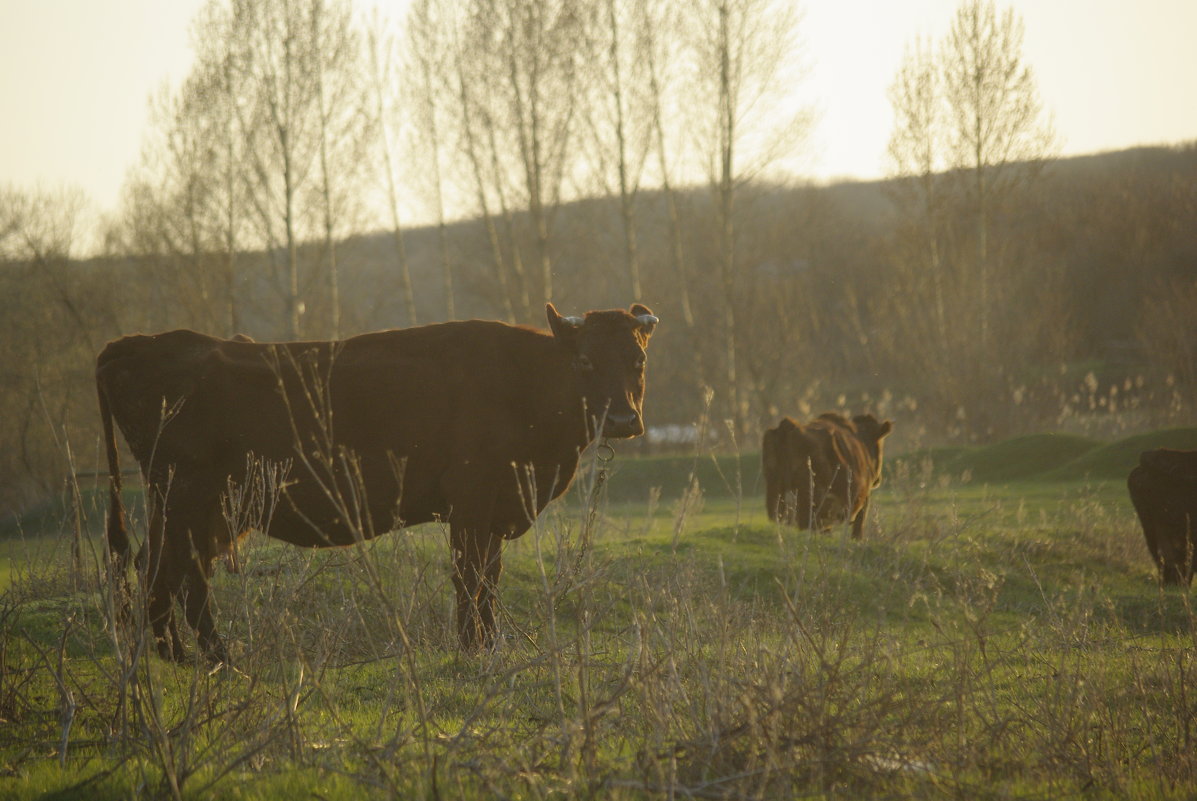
column 599, row 152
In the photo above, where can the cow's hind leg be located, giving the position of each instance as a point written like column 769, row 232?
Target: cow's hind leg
column 180, row 563
column 197, row 604
column 196, row 554
column 213, row 540
column 858, row 522
column 161, row 577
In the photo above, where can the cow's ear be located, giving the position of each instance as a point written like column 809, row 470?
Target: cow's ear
column 886, row 427
column 565, row 329
column 646, row 321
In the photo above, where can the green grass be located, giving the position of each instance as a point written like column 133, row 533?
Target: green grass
column 723, row 476
column 995, row 638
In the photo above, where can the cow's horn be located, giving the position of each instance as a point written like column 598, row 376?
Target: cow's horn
column 647, row 319
column 572, row 321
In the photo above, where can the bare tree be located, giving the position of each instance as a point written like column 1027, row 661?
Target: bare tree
column 175, row 209
column 261, row 147
column 1168, row 333
column 745, row 60
column 969, row 139
column 997, row 129
column 296, row 73
column 55, row 316
column 215, row 82
column 656, row 19
column 618, row 113
column 916, row 150
column 481, row 177
column 278, row 117
column 428, row 55
column 384, row 90
column 523, row 73
column 344, row 129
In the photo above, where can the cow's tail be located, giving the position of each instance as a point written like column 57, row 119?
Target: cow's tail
column 119, row 544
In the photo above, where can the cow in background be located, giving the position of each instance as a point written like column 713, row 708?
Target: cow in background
column 478, row 423
column 820, row 473
column 1163, row 489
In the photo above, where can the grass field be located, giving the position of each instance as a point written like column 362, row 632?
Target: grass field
column 999, row 633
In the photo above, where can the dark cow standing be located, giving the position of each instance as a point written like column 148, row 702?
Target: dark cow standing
column 1163, row 489
column 478, row 423
column 820, row 473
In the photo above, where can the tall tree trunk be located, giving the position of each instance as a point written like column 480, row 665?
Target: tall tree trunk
column 726, row 207
column 330, row 245
column 492, row 232
column 442, row 238
column 294, row 305
column 626, row 196
column 409, row 296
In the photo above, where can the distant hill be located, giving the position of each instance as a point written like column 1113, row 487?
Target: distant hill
column 1048, row 457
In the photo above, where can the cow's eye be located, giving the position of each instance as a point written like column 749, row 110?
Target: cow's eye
column 584, row 363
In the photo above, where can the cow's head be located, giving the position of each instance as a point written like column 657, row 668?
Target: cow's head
column 607, row 349
column 872, row 432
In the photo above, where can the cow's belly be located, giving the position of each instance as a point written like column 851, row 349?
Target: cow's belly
column 319, row 514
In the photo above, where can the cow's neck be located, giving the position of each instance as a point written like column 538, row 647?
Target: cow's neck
column 568, row 405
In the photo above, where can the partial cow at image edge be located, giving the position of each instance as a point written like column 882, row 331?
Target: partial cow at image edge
column 1163, row 489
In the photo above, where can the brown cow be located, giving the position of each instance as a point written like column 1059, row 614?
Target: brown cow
column 821, row 473
column 478, row 423
column 1163, row 489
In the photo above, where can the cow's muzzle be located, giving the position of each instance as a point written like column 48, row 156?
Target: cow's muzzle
column 622, row 426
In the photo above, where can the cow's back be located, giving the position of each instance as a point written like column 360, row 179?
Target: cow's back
column 380, row 388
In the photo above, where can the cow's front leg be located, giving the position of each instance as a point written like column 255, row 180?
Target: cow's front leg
column 477, row 565
column 476, row 553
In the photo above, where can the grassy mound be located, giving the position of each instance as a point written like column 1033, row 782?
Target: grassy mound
column 1020, row 457
column 1046, row 457
column 1116, row 459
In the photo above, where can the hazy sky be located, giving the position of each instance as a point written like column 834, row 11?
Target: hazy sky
column 75, row 77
